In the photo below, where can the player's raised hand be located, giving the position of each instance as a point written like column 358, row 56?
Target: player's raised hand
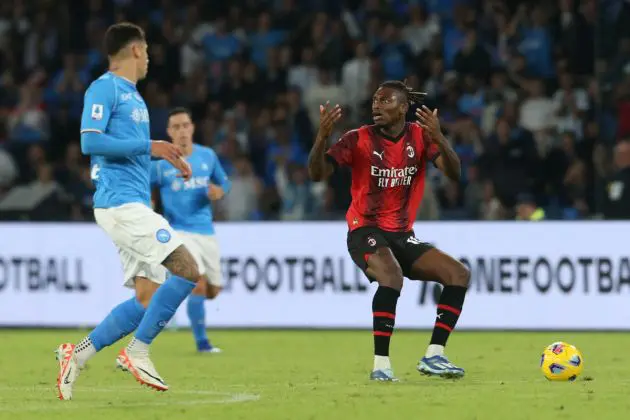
column 429, row 121
column 327, row 119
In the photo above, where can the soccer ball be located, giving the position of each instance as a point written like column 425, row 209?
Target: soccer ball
column 561, row 362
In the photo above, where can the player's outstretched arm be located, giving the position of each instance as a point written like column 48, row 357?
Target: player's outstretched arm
column 448, row 162
column 319, row 168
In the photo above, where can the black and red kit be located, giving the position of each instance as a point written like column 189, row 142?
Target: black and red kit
column 388, row 176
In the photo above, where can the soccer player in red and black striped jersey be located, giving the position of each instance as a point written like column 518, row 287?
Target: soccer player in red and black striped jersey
column 388, row 161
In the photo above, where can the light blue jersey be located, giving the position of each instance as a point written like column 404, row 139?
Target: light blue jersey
column 115, row 133
column 186, row 204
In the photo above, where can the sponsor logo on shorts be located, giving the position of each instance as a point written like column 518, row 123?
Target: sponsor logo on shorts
column 371, row 241
column 163, row 236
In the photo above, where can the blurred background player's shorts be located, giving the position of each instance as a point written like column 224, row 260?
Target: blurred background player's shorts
column 205, row 250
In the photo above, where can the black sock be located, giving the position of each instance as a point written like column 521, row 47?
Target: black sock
column 384, row 315
column 448, row 310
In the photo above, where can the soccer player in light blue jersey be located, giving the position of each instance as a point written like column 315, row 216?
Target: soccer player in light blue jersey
column 115, row 133
column 186, row 205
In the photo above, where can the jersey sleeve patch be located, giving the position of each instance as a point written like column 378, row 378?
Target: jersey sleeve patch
column 97, row 112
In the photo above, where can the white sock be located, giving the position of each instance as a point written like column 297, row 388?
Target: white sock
column 84, row 351
column 382, row 362
column 138, row 346
column 434, row 350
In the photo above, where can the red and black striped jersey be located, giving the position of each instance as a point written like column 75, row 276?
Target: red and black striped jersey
column 388, row 175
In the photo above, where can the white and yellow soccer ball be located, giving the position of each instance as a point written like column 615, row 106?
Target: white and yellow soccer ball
column 561, row 361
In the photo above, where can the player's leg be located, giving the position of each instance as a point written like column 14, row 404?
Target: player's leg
column 211, row 260
column 435, row 265
column 203, row 249
column 146, row 241
column 370, row 251
column 169, row 296
column 121, row 321
column 197, row 315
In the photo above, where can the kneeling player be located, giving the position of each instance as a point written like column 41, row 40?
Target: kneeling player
column 388, row 163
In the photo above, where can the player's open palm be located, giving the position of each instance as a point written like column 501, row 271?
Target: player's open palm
column 429, row 121
column 327, row 118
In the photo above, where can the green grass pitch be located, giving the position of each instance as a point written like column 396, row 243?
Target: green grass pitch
column 316, row 375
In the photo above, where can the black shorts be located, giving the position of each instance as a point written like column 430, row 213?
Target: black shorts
column 364, row 241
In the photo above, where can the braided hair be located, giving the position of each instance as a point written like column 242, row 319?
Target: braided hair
column 413, row 97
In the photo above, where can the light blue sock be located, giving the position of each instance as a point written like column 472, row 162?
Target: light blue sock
column 122, row 320
column 163, row 306
column 197, row 316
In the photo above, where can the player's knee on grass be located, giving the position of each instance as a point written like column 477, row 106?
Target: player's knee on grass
column 181, row 263
column 145, row 289
column 383, row 267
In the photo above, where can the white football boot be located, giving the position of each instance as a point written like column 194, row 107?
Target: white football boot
column 141, row 367
column 68, row 370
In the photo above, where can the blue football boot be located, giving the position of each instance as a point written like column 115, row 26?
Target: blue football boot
column 383, row 375
column 439, row 366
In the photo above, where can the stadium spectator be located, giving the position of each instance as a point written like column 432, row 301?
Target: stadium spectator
column 528, row 105
column 616, row 203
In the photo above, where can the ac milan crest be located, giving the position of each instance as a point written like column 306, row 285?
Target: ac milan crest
column 410, row 152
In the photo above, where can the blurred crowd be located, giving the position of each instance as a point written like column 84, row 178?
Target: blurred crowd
column 533, row 96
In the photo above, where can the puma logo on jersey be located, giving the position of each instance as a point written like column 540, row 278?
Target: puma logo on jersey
column 380, row 155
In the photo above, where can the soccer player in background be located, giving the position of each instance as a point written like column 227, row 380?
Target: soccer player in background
column 115, row 133
column 388, row 162
column 186, row 205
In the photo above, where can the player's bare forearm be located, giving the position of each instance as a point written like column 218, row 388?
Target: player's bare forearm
column 318, row 168
column 448, row 161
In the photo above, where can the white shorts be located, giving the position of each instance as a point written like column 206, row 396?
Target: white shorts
column 144, row 239
column 205, row 250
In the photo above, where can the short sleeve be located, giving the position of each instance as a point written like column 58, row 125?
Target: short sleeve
column 342, row 152
column 98, row 105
